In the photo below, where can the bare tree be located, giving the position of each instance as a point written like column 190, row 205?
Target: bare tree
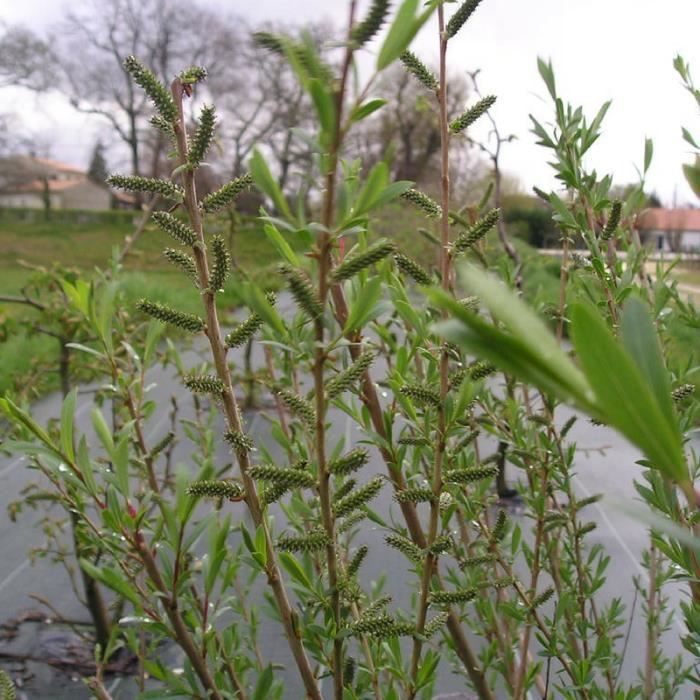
column 84, row 60
column 25, row 60
column 407, row 130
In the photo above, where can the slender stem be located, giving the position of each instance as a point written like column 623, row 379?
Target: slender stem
column 651, row 625
column 563, row 280
column 430, row 562
column 320, row 355
column 182, row 634
column 232, row 415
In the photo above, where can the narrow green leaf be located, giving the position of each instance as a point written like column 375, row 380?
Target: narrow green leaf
column 67, row 420
column 325, row 109
column 627, row 400
column 295, row 570
column 375, row 183
column 281, row 244
column 692, row 175
column 365, row 306
column 402, row 31
column 641, row 342
column 264, row 684
column 648, row 153
column 266, row 183
column 364, row 110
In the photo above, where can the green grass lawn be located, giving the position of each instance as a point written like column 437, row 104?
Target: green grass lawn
column 147, row 273
column 86, row 246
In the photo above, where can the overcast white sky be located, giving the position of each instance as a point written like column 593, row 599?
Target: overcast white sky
column 601, row 49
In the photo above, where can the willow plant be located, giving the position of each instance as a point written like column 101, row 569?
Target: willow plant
column 431, row 378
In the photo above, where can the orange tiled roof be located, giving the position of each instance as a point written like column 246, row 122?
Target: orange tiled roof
column 54, row 185
column 659, row 219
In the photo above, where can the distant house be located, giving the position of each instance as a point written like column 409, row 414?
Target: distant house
column 34, row 183
column 671, row 230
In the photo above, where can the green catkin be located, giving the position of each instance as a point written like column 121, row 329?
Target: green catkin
column 412, row 269
column 7, row 687
column 349, row 671
column 414, row 441
column 371, row 24
column 222, row 264
column 682, row 392
column 555, row 516
column 481, row 370
column 349, row 463
column 243, row 332
column 156, row 91
column 203, row 136
column 589, row 501
column 154, row 185
column 162, row 445
column 471, row 115
column 301, row 408
column 445, row 501
column 166, row 314
column 352, row 520
column 471, row 475
column 581, row 262
column 471, row 303
column 193, row 74
column 459, row 18
column 375, row 607
column 435, row 624
column 231, row 490
column 162, row 125
column 353, row 264
column 344, row 489
column 180, row 231
column 381, row 627
column 542, row 598
column 302, row 291
column 240, row 442
column 466, row 440
column 418, row 70
column 567, row 426
column 450, row 597
column 345, row 380
column 421, row 395
column 456, row 378
column 356, row 561
column 613, row 221
column 185, row 262
column 226, row 194
column 270, row 42
column 412, row 551
column 358, row 498
column 416, row 494
column 272, row 493
column 350, row 590
column 477, row 231
column 441, row 545
column 502, row 582
column 478, row 560
column 289, row 477
column 311, row 542
column 586, row 529
column 423, row 202
column 499, row 529
column 204, row 384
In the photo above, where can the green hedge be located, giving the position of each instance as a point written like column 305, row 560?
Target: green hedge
column 69, row 216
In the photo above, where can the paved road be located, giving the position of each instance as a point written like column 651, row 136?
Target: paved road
column 607, row 466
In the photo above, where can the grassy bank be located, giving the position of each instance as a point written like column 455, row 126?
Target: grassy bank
column 89, row 245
